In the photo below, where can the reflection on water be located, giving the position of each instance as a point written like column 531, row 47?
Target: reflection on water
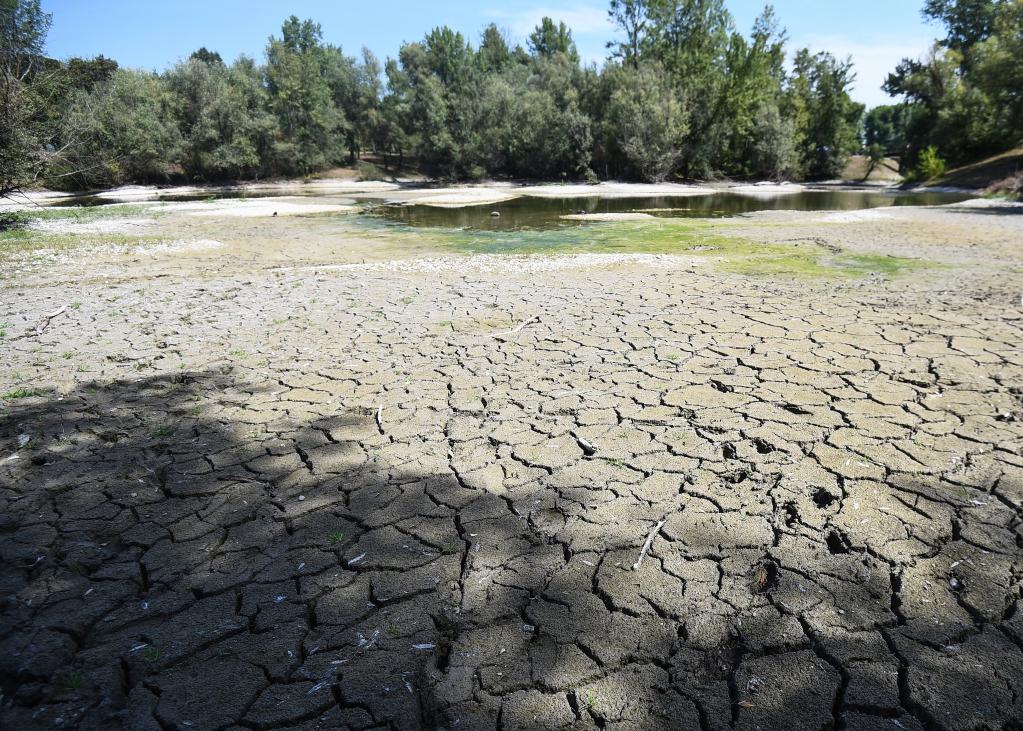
column 545, row 213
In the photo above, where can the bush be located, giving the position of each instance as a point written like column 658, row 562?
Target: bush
column 12, row 219
column 930, row 165
column 368, row 171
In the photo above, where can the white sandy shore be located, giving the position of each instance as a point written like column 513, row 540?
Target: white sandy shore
column 101, row 226
column 613, row 190
column 257, row 208
column 456, row 197
column 866, row 214
column 981, row 203
column 766, row 190
column 634, row 216
column 129, row 193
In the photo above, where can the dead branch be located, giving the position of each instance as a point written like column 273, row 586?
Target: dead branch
column 518, row 329
column 44, row 321
column 649, row 542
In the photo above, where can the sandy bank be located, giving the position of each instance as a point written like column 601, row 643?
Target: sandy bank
column 766, row 190
column 260, row 207
column 985, row 203
column 634, row 216
column 613, row 190
column 457, row 197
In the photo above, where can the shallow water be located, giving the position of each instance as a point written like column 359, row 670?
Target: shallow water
column 90, row 201
column 545, row 213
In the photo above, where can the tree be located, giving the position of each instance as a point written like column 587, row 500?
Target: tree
column 651, row 122
column 312, row 126
column 885, row 127
column 827, row 119
column 221, row 113
column 690, row 37
column 128, row 131
column 966, row 96
column 494, row 54
column 206, row 56
column 749, row 98
column 85, row 73
column 630, row 17
column 27, row 134
column 773, row 152
column 968, row 22
column 548, row 39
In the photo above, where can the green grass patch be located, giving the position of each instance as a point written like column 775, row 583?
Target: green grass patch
column 822, row 265
column 700, row 238
column 82, row 214
column 24, row 244
column 20, row 393
column 163, row 430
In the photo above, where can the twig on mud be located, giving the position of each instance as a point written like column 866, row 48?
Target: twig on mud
column 649, row 542
column 380, row 418
column 45, row 319
column 514, row 330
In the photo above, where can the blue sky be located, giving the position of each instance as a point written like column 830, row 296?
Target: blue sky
column 154, row 35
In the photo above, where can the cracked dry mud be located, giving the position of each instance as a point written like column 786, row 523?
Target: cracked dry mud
column 308, row 499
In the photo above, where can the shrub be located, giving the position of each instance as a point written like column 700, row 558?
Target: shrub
column 12, row 219
column 930, row 165
column 369, row 171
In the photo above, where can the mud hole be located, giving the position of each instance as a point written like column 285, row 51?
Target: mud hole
column 240, row 490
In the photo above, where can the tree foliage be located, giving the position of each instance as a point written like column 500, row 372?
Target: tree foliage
column 684, row 94
column 965, row 98
column 26, row 130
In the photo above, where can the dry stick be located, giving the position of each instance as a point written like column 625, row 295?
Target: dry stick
column 517, row 329
column 649, row 542
column 45, row 319
column 380, row 418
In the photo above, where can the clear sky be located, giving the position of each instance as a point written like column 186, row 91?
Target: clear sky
column 154, row 35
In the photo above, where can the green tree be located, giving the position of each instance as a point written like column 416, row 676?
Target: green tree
column 773, row 152
column 85, row 73
column 494, row 54
column 749, row 98
column 128, row 131
column 650, row 122
column 226, row 130
column 206, row 56
column 548, row 39
column 966, row 96
column 312, row 126
column 28, row 135
column 827, row 119
column 885, row 127
column 968, row 22
column 630, row 17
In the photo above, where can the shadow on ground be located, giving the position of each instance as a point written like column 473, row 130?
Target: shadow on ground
column 176, row 556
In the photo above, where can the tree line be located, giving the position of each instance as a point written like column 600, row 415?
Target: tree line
column 683, row 95
column 964, row 100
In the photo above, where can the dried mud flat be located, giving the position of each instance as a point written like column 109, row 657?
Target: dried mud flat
column 639, row 496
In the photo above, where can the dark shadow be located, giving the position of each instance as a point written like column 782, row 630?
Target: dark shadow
column 995, row 209
column 190, row 552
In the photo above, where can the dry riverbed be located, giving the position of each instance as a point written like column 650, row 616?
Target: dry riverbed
column 310, row 471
